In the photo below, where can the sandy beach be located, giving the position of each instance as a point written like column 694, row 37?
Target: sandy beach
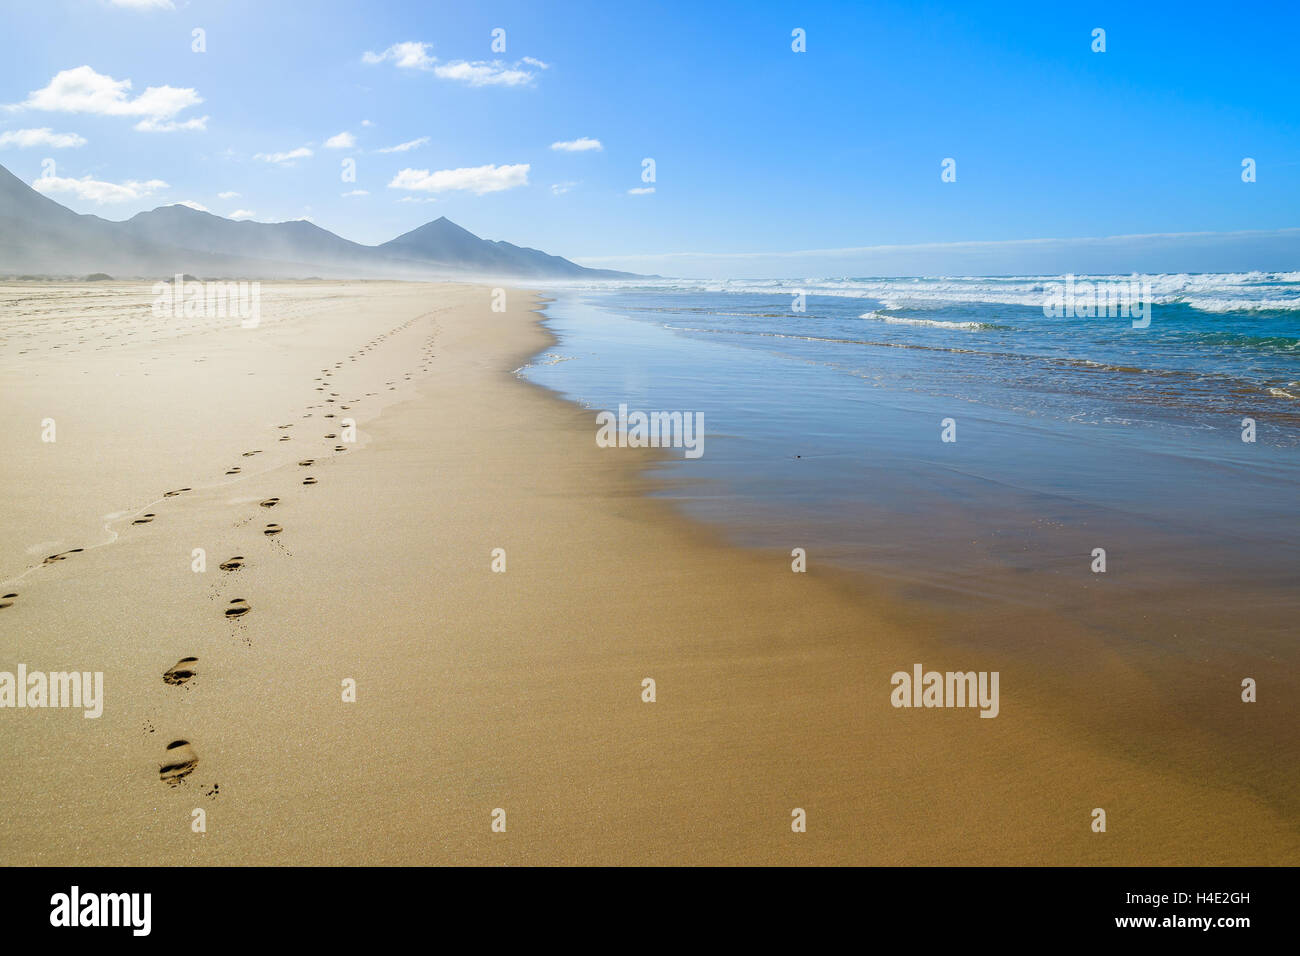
column 520, row 690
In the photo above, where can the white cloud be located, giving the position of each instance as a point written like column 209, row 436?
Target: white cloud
column 417, row 199
column 356, row 192
column 302, row 152
column 403, row 147
column 641, row 191
column 44, row 136
column 408, row 56
column 242, row 214
column 412, row 55
column 343, row 140
column 227, row 195
column 474, row 179
column 559, row 189
column 367, row 123
column 144, row 4
column 580, row 145
column 537, row 63
column 96, row 191
column 82, row 90
column 193, row 205
column 483, row 73
column 171, row 126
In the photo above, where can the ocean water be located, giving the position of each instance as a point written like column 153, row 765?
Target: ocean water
column 824, row 427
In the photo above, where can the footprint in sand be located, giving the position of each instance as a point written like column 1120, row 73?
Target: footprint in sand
column 233, row 471
column 238, row 608
column 62, row 556
column 179, row 763
column 145, row 518
column 307, row 462
column 340, row 447
column 331, row 435
column 271, row 529
column 181, row 671
column 269, row 502
column 178, row 491
column 250, row 454
column 290, row 425
column 6, row 600
column 284, row 438
column 234, row 564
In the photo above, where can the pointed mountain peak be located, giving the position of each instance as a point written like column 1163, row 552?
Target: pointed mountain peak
column 442, row 226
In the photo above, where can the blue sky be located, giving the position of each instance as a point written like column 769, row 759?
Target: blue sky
column 757, row 149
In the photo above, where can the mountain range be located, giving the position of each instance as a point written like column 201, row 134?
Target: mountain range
column 38, row 236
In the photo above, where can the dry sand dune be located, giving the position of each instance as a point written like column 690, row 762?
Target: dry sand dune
column 329, row 560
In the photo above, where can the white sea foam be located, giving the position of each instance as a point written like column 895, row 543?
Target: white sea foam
column 1243, row 305
column 1215, row 293
column 932, row 323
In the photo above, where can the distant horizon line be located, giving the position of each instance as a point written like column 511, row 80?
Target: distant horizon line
column 952, row 246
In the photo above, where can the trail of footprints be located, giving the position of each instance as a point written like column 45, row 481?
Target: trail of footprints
column 180, row 759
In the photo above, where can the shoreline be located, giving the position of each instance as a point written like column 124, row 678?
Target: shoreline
column 522, row 690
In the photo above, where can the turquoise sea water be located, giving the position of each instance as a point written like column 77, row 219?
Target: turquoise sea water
column 824, row 426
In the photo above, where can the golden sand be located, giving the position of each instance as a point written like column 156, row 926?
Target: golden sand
column 520, row 691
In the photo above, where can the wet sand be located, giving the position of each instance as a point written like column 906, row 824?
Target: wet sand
column 478, row 690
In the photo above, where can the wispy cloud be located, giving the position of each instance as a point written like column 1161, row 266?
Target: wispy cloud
column 474, row 179
column 409, row 56
column 94, row 190
column 483, row 73
column 582, row 145
column 82, row 90
column 24, row 138
column 193, row 205
column 413, row 55
column 641, row 191
column 356, row 192
column 242, row 214
column 343, row 140
column 417, row 199
column 286, row 158
column 559, row 189
column 144, row 4
column 227, row 195
column 403, row 147
column 171, row 126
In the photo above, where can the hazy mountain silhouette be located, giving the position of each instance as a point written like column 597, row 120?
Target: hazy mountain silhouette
column 445, row 242
column 41, row 237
